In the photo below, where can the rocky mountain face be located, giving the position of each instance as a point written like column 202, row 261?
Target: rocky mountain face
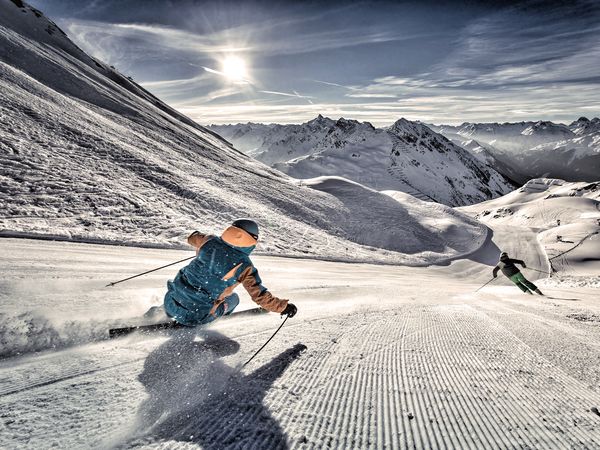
column 407, row 156
column 584, row 126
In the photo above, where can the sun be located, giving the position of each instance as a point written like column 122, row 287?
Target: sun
column 234, row 68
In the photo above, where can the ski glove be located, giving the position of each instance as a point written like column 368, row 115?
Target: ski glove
column 290, row 310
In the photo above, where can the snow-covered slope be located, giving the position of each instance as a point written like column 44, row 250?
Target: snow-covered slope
column 406, row 157
column 402, row 222
column 534, row 149
column 87, row 154
column 575, row 158
column 565, row 215
column 489, row 156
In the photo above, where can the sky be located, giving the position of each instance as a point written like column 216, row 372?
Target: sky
column 286, row 62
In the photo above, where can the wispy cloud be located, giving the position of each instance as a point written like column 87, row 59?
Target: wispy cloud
column 329, row 83
column 238, row 80
column 514, row 65
column 533, row 60
column 294, row 94
column 286, row 94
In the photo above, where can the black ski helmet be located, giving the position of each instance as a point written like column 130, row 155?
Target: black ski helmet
column 503, row 255
column 248, row 225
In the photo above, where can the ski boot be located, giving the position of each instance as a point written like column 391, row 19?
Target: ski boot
column 537, row 291
column 155, row 312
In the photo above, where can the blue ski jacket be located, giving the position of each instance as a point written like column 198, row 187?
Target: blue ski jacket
column 221, row 264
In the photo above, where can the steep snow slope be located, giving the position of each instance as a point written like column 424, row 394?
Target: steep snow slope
column 86, row 154
column 565, row 215
column 407, row 157
column 489, row 156
column 534, row 149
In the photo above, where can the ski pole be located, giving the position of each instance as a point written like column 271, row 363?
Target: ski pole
column 148, row 271
column 269, row 340
column 486, row 284
column 537, row 270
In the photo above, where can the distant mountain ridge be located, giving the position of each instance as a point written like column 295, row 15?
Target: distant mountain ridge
column 407, row 156
column 533, row 149
column 510, row 136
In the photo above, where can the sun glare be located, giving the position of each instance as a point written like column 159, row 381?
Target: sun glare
column 234, row 68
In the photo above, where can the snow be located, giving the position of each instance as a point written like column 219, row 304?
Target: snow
column 395, row 356
column 403, row 223
column 566, row 217
column 584, row 126
column 407, row 157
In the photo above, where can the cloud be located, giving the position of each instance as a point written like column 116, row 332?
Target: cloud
column 287, row 94
column 509, row 65
column 328, row 83
column 552, row 44
column 105, row 40
column 534, row 60
column 224, row 75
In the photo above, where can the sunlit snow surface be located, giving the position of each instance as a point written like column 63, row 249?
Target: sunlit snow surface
column 566, row 217
column 396, row 356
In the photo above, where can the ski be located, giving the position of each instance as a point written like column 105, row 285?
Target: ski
column 171, row 325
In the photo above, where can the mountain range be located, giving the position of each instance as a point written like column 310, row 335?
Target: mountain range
column 525, row 150
column 407, row 156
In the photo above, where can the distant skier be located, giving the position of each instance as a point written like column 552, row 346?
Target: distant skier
column 508, row 268
column 203, row 290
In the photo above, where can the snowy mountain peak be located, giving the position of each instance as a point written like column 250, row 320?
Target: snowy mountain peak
column 524, row 150
column 320, row 122
column 405, row 156
column 404, row 126
column 348, row 125
column 583, row 126
column 547, row 128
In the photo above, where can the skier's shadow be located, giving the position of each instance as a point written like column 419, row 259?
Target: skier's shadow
column 195, row 397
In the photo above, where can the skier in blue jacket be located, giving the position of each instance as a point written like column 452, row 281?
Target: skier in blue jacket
column 203, row 290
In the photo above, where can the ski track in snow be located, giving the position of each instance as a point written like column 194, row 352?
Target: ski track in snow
column 395, row 357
